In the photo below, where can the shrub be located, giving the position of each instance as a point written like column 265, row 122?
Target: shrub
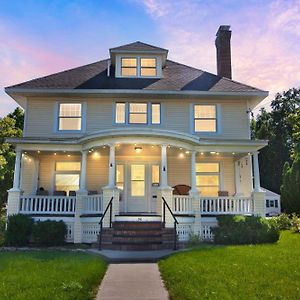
column 49, row 233
column 18, row 231
column 244, row 230
column 2, row 227
column 194, row 240
column 295, row 223
column 283, row 221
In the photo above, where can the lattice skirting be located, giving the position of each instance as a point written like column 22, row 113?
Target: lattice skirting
column 90, row 232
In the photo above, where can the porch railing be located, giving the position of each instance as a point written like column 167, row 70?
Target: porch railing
column 52, row 205
column 182, row 204
column 226, row 205
column 93, row 204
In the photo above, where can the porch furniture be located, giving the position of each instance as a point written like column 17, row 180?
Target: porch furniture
column 72, row 193
column 59, row 193
column 181, row 189
column 223, row 193
column 42, row 192
column 92, row 192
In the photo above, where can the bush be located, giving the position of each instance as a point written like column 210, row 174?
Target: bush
column 244, row 230
column 295, row 223
column 49, row 233
column 2, row 227
column 194, row 240
column 283, row 221
column 18, row 231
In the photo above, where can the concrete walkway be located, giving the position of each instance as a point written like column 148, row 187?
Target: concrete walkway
column 132, row 282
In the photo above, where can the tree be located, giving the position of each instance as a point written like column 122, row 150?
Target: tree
column 290, row 189
column 277, row 126
column 10, row 126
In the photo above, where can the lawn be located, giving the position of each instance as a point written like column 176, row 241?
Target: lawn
column 49, row 275
column 269, row 271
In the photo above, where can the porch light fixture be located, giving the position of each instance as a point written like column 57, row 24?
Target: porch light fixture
column 212, row 152
column 38, row 151
column 202, row 153
column 187, row 152
column 69, row 155
column 54, row 153
column 138, row 149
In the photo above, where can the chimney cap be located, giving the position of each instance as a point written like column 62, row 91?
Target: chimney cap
column 223, row 28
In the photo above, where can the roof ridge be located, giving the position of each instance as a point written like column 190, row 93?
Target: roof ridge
column 56, row 73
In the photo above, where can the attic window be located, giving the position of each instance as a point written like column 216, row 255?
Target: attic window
column 148, row 67
column 129, row 66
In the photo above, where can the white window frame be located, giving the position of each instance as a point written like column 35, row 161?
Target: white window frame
column 137, row 66
column 56, row 118
column 218, row 119
column 127, row 114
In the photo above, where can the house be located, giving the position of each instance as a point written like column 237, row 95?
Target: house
column 140, row 141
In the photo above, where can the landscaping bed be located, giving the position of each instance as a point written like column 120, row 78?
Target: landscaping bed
column 50, row 275
column 265, row 271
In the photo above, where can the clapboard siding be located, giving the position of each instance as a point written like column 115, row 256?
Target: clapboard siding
column 176, row 115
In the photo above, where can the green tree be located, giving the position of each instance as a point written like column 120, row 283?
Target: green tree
column 278, row 127
column 290, row 189
column 10, row 126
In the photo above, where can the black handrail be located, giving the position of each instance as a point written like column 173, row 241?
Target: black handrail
column 109, row 206
column 174, row 218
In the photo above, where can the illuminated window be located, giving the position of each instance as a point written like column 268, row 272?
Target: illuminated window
column 120, row 177
column 129, row 66
column 70, row 116
column 138, row 113
column 120, row 113
column 205, row 118
column 155, row 175
column 155, row 113
column 68, row 166
column 138, row 180
column 148, row 67
column 208, row 178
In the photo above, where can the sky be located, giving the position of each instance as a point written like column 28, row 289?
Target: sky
column 41, row 37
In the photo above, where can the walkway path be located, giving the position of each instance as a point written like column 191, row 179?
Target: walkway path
column 132, row 282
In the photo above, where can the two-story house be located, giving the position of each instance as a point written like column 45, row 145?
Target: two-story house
column 144, row 138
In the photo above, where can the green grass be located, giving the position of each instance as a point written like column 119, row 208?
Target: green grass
column 269, row 271
column 51, row 275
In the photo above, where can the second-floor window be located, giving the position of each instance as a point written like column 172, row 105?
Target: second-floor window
column 70, row 116
column 138, row 66
column 137, row 113
column 129, row 66
column 205, row 118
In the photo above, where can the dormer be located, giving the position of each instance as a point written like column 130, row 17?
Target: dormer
column 138, row 60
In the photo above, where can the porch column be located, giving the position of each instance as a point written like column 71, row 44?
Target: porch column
column 112, row 167
column 256, row 172
column 237, row 178
column 164, row 167
column 193, row 172
column 82, row 186
column 16, row 184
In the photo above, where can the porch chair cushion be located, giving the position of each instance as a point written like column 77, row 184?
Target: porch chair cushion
column 181, row 189
column 223, row 193
column 59, row 193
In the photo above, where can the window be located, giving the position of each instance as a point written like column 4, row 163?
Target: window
column 120, row 113
column 120, row 177
column 70, row 116
column 155, row 175
column 129, row 66
column 148, row 67
column 138, row 113
column 138, row 180
column 67, row 176
column 205, row 118
column 208, row 178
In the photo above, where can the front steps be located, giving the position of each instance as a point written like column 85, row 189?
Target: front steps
column 135, row 236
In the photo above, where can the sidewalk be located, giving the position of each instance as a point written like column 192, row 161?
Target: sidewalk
column 132, row 282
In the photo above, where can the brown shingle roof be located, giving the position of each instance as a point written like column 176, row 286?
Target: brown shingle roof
column 176, row 77
column 138, row 46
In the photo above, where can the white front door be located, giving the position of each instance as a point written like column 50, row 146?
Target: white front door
column 137, row 188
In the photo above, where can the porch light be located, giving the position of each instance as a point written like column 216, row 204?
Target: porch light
column 181, row 155
column 54, row 153
column 233, row 153
column 69, row 155
column 138, row 149
column 212, row 152
column 38, row 151
column 202, row 153
column 187, row 152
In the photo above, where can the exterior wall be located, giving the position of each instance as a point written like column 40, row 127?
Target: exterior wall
column 29, row 175
column 176, row 115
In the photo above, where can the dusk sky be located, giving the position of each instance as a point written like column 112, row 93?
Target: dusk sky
column 38, row 38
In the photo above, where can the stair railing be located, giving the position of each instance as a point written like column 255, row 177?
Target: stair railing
column 109, row 206
column 165, row 204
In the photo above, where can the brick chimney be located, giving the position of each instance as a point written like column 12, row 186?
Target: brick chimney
column 223, row 51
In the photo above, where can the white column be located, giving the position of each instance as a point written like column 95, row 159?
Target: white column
column 237, row 178
column 16, row 184
column 83, row 170
column 164, row 167
column 112, row 167
column 256, row 172
column 193, row 172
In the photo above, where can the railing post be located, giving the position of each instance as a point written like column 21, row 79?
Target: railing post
column 78, row 211
column 167, row 193
column 107, row 194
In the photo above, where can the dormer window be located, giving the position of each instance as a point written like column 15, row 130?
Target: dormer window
column 129, row 66
column 148, row 67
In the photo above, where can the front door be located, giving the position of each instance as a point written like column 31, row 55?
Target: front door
column 137, row 200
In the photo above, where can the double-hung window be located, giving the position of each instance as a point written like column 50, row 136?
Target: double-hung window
column 208, row 178
column 148, row 67
column 205, row 118
column 129, row 66
column 70, row 116
column 137, row 113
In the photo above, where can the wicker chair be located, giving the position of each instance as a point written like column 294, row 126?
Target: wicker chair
column 181, row 189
